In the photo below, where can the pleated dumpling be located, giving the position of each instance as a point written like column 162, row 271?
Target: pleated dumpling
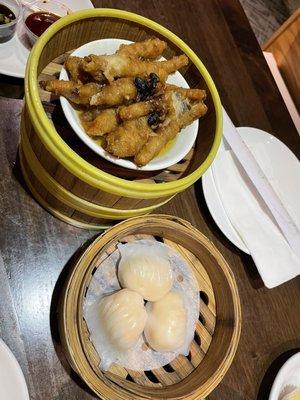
column 146, row 270
column 166, row 325
column 123, row 318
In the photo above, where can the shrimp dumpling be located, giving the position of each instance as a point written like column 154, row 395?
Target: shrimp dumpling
column 166, row 325
column 123, row 318
column 145, row 270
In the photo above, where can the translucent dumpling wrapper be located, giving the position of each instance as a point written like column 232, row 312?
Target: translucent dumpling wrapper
column 140, row 357
column 116, row 323
column 146, row 271
column 166, row 325
column 123, row 318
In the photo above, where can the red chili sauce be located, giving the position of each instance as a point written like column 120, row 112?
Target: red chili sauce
column 38, row 22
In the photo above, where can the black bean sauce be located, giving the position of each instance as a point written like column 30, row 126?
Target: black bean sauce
column 146, row 87
column 153, row 119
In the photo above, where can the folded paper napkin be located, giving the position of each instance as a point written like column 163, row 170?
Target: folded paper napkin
column 251, row 218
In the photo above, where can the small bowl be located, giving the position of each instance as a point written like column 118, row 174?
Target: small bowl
column 183, row 142
column 7, row 31
column 46, row 7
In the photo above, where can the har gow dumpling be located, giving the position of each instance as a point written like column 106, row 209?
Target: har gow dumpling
column 166, row 325
column 145, row 270
column 123, row 318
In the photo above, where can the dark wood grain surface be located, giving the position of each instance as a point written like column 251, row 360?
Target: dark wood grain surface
column 36, row 248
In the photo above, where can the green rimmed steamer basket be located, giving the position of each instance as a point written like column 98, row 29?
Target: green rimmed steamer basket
column 67, row 178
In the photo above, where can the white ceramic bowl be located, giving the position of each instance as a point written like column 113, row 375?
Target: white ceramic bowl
column 7, row 31
column 183, row 142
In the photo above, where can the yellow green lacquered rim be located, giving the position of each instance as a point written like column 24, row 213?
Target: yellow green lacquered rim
column 54, row 212
column 70, row 199
column 71, row 160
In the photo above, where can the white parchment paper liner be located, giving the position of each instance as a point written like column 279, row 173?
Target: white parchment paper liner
column 105, row 282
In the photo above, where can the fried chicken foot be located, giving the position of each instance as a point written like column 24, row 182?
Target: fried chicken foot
column 159, row 104
column 192, row 94
column 90, row 114
column 142, row 108
column 168, row 132
column 119, row 65
column 150, row 48
column 129, row 138
column 105, row 122
column 74, row 67
column 196, row 111
column 156, row 142
column 98, row 123
column 76, row 93
column 117, row 93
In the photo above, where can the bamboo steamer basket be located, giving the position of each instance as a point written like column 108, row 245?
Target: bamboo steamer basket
column 217, row 331
column 65, row 176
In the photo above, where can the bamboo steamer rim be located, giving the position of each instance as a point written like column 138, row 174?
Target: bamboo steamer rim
column 69, row 158
column 70, row 199
column 81, row 364
column 54, row 212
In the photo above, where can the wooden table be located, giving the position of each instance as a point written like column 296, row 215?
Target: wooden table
column 36, row 247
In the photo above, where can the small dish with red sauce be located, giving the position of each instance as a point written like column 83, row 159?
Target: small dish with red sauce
column 41, row 14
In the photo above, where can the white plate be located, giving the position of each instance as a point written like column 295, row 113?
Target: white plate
column 283, row 163
column 183, row 142
column 12, row 382
column 289, row 374
column 14, row 53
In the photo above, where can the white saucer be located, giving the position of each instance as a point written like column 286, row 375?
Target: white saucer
column 283, row 161
column 183, row 142
column 14, row 53
column 287, row 378
column 12, row 382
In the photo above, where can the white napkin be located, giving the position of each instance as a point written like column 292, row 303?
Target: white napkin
column 251, row 218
